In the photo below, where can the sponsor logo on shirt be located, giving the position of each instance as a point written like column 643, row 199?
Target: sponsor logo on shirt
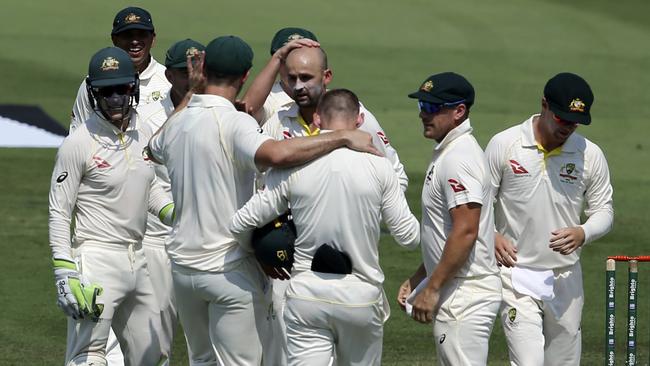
column 427, row 180
column 566, row 173
column 101, row 163
column 287, row 135
column 517, row 168
column 61, row 177
column 442, row 338
column 383, row 137
column 456, row 186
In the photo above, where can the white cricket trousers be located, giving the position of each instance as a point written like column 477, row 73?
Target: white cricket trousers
column 467, row 310
column 130, row 307
column 544, row 333
column 160, row 272
column 275, row 350
column 328, row 314
column 225, row 315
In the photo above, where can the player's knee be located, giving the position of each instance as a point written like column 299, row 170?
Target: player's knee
column 87, row 359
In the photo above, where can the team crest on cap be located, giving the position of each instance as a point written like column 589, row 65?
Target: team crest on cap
column 132, row 18
column 282, row 255
column 110, row 63
column 427, row 86
column 293, row 37
column 577, row 105
column 191, row 52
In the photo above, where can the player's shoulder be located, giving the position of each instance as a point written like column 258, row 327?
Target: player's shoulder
column 78, row 140
column 507, row 136
column 586, row 146
column 465, row 151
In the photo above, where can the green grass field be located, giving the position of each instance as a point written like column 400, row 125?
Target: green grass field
column 382, row 50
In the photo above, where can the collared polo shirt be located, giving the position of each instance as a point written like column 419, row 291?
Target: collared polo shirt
column 337, row 199
column 457, row 175
column 209, row 151
column 102, row 178
column 538, row 192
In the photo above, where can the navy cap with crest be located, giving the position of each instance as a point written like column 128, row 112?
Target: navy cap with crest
column 111, row 66
column 132, row 18
column 569, row 97
column 176, row 56
column 228, row 55
column 286, row 35
column 446, row 87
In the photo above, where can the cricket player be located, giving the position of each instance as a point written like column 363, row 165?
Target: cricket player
column 133, row 31
column 462, row 289
column 262, row 102
column 337, row 202
column 544, row 176
column 102, row 179
column 154, row 115
column 211, row 152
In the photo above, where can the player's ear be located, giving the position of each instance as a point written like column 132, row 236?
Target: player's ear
column 114, row 40
column 360, row 119
column 245, row 77
column 327, row 76
column 169, row 76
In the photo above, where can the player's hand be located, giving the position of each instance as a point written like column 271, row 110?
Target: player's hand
column 277, row 273
column 360, row 141
column 567, row 240
column 284, row 51
column 241, row 106
column 504, row 251
column 424, row 304
column 404, row 291
column 76, row 296
column 196, row 76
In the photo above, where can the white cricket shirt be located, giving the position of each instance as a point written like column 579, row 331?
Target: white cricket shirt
column 154, row 116
column 287, row 123
column 536, row 195
column 102, row 178
column 209, row 151
column 275, row 101
column 338, row 199
column 457, row 175
column 154, row 86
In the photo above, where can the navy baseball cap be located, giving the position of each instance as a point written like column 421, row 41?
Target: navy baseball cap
column 286, row 35
column 569, row 97
column 176, row 56
column 228, row 55
column 132, row 18
column 446, row 87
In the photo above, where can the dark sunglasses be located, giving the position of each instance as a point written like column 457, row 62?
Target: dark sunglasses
column 563, row 122
column 432, row 108
column 107, row 91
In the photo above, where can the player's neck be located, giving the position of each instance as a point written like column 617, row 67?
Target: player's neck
column 307, row 115
column 544, row 138
column 226, row 91
column 143, row 66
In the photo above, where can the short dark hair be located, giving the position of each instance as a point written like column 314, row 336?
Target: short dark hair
column 338, row 103
column 216, row 78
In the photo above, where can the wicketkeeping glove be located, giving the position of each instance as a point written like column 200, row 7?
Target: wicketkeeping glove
column 75, row 296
